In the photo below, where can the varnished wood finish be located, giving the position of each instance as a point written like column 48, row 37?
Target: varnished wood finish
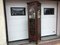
column 37, row 25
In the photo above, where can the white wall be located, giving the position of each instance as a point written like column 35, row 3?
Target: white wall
column 2, row 25
column 48, row 22
column 17, row 25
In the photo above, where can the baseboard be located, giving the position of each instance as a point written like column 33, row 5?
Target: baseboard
column 49, row 35
column 17, row 40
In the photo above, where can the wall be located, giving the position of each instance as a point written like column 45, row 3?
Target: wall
column 48, row 22
column 58, row 21
column 2, row 25
column 17, row 25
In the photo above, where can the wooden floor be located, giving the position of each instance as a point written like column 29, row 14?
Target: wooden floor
column 57, row 42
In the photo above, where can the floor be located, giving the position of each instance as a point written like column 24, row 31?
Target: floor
column 45, row 41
